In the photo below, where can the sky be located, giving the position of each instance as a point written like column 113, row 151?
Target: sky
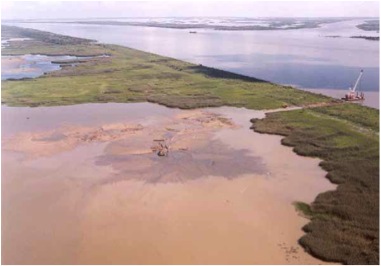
column 180, row 8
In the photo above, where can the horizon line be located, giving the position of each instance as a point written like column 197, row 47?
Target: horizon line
column 265, row 17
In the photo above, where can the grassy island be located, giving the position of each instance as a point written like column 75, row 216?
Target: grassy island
column 344, row 223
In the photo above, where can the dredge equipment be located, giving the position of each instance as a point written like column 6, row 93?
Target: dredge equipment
column 354, row 94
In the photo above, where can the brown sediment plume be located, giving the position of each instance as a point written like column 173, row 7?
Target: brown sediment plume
column 107, row 198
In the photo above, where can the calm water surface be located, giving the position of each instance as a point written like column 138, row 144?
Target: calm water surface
column 304, row 58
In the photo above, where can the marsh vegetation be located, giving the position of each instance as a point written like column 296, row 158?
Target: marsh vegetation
column 344, row 223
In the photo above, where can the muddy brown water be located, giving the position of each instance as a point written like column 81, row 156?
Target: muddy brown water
column 223, row 195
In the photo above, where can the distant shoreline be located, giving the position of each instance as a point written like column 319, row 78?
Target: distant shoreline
column 272, row 24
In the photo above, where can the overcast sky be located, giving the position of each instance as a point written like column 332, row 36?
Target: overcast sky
column 91, row 9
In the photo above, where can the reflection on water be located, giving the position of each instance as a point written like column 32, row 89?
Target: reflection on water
column 305, row 57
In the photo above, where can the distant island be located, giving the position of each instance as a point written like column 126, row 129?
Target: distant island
column 370, row 38
column 244, row 24
column 370, row 25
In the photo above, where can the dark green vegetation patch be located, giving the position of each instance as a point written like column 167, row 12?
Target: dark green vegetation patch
column 344, row 223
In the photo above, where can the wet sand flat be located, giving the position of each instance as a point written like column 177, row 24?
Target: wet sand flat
column 101, row 195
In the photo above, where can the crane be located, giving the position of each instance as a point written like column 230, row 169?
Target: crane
column 353, row 94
